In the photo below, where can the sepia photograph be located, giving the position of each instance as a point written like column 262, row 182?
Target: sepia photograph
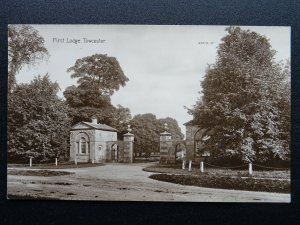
column 163, row 113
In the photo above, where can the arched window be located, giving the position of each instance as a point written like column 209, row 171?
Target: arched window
column 83, row 145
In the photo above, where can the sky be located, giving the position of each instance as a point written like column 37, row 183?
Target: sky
column 164, row 63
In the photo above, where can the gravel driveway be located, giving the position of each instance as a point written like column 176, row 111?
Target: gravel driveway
column 125, row 182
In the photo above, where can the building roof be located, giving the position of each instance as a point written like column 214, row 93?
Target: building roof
column 98, row 126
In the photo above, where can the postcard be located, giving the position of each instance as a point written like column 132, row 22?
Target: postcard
column 177, row 113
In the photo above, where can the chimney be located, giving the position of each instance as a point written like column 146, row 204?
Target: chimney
column 94, row 120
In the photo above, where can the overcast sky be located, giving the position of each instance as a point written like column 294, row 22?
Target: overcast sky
column 164, row 64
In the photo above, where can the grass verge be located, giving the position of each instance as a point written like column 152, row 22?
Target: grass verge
column 176, row 169
column 29, row 197
column 67, row 165
column 43, row 173
column 237, row 183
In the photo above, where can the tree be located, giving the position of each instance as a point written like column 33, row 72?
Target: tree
column 99, row 76
column 25, row 47
column 120, row 119
column 242, row 100
column 173, row 127
column 147, row 129
column 38, row 122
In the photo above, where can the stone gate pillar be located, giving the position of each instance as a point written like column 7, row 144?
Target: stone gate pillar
column 165, row 146
column 128, row 139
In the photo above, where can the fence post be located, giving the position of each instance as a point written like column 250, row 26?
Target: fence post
column 183, row 164
column 201, row 167
column 30, row 162
column 190, row 165
column 55, row 161
column 250, row 169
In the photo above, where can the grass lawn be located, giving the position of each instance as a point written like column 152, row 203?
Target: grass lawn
column 29, row 197
column 268, row 181
column 237, row 183
column 44, row 173
column 63, row 165
column 176, row 169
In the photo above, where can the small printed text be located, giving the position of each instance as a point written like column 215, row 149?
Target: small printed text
column 77, row 41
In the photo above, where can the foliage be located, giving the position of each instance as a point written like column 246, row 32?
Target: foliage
column 120, row 120
column 147, row 129
column 173, row 127
column 25, row 47
column 38, row 124
column 99, row 76
column 245, row 100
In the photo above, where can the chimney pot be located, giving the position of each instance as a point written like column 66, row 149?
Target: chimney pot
column 94, row 120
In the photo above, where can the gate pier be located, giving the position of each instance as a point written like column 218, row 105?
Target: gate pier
column 128, row 140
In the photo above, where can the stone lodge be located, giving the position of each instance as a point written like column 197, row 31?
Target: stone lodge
column 95, row 142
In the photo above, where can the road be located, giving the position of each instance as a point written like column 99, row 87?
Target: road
column 126, row 182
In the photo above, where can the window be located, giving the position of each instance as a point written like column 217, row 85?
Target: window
column 83, row 145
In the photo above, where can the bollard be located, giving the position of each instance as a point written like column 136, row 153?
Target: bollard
column 75, row 160
column 30, row 162
column 190, row 165
column 183, row 164
column 201, row 167
column 55, row 161
column 250, row 169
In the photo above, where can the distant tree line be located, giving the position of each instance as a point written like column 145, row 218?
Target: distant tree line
column 39, row 121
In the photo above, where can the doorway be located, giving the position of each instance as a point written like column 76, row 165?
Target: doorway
column 115, row 153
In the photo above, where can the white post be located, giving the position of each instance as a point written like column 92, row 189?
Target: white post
column 183, row 164
column 75, row 160
column 250, row 169
column 55, row 161
column 201, row 167
column 190, row 165
column 30, row 162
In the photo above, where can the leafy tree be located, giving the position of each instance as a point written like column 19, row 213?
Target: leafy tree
column 173, row 127
column 147, row 129
column 38, row 122
column 120, row 120
column 99, row 76
column 245, row 100
column 25, row 47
